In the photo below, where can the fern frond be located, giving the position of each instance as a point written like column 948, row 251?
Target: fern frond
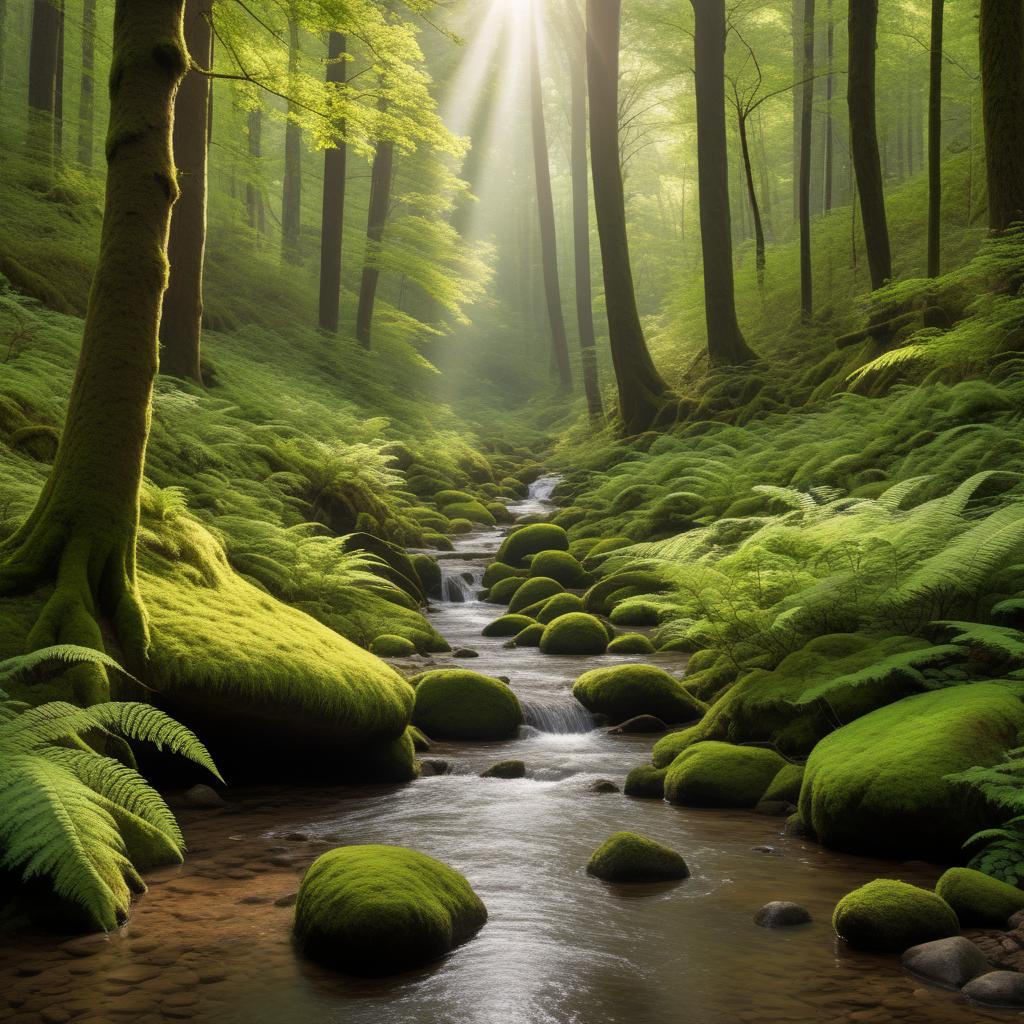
column 62, row 654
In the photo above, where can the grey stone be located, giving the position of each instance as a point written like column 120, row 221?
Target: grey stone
column 505, row 770
column 465, row 652
column 433, row 766
column 639, row 724
column 951, row 962
column 997, row 988
column 203, row 796
column 602, row 786
column 781, row 914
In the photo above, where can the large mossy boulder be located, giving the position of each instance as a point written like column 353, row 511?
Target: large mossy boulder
column 529, row 637
column 575, row 633
column 388, row 645
column 498, row 571
column 474, row 511
column 530, row 540
column 504, row 590
column 507, row 625
column 879, row 785
column 629, row 857
column 711, row 774
column 560, row 566
column 979, row 900
column 625, row 691
column 887, row 916
column 429, row 573
column 645, row 781
column 669, row 747
column 532, row 591
column 560, row 604
column 631, row 643
column 456, row 704
column 375, row 910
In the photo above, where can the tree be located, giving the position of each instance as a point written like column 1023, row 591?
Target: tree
column 333, row 209
column 830, row 38
column 80, row 537
column 642, row 392
column 935, row 139
column 182, row 321
column 44, row 75
column 806, row 122
column 253, row 192
column 546, row 211
column 86, row 89
column 291, row 200
column 726, row 344
column 862, row 26
column 1002, row 82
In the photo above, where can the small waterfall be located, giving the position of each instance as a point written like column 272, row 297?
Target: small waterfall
column 538, row 500
column 458, row 586
column 567, row 716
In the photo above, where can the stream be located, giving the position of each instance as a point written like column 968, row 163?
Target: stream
column 210, row 942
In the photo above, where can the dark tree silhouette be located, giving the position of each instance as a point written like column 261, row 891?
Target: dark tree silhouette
column 291, row 200
column 935, row 139
column 87, row 86
column 333, row 210
column 44, row 75
column 253, row 193
column 806, row 124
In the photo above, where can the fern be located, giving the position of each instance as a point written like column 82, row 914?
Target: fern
column 60, row 656
column 1002, row 853
column 1003, row 644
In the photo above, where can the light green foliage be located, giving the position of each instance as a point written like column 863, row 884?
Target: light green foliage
column 710, row 774
column 625, row 691
column 629, row 857
column 507, row 625
column 457, row 704
column 382, row 909
column 888, row 916
column 529, row 540
column 535, row 589
column 559, row 566
column 978, row 900
column 387, row 645
column 645, row 781
column 574, row 633
column 631, row 643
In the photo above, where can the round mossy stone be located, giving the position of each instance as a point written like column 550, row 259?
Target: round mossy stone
column 529, row 540
column 635, row 611
column 669, row 747
column 887, row 916
column 645, row 781
column 535, row 589
column 374, row 910
column 786, row 784
column 629, row 857
column 504, row 590
column 451, row 497
column 498, row 571
column 388, row 645
column 505, row 770
column 429, row 573
column 456, row 704
column 529, row 637
column 459, row 526
column 979, row 900
column 558, row 565
column 575, row 633
column 507, row 625
column 473, row 510
column 712, row 774
column 626, row 691
column 560, row 604
column 631, row 643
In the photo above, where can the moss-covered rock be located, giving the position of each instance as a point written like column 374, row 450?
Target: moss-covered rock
column 535, row 589
column 628, row 690
column 713, row 774
column 456, row 704
column 429, row 573
column 474, row 511
column 599, row 551
column 879, row 784
column 372, row 910
column 669, row 747
column 575, row 633
column 507, row 625
column 887, row 916
column 979, row 900
column 460, row 525
column 529, row 637
column 511, row 769
column 504, row 590
column 560, row 566
column 786, row 784
column 451, row 496
column 560, row 604
column 420, row 742
column 645, row 781
column 529, row 540
column 387, row 645
column 629, row 857
column 498, row 571
column 636, row 611
column 631, row 643
column 603, row 595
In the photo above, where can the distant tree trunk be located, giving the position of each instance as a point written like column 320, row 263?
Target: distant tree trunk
column 58, row 92
column 935, row 140
column 862, row 28
column 182, row 321
column 333, row 212
column 291, row 200
column 377, row 215
column 726, row 344
column 829, row 88
column 43, row 76
column 581, row 228
column 798, row 106
column 253, row 193
column 546, row 209
column 806, row 124
column 642, row 392
column 86, row 88
column 911, row 110
column 1002, row 82
column 80, row 538
column 3, row 45
column 755, row 209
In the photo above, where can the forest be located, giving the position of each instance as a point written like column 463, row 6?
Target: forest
column 511, row 511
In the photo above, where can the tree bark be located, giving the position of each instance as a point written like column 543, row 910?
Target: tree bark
column 726, row 344
column 182, row 322
column 3, row 45
column 829, row 89
column 642, row 392
column 333, row 210
column 546, row 211
column 935, row 140
column 862, row 27
column 798, row 106
column 80, row 538
column 376, row 219
column 755, row 209
column 86, row 89
column 43, row 60
column 581, row 227
column 253, row 193
column 806, row 124
column 1002, row 81
column 291, row 200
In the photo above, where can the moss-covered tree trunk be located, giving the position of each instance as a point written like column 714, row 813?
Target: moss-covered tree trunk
column 291, row 198
column 181, row 324
column 642, row 392
column 80, row 538
column 333, row 208
column 86, row 89
column 806, row 124
column 43, row 61
column 1002, row 83
column 935, row 139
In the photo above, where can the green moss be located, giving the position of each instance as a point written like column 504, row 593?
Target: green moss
column 528, row 540
column 887, row 916
column 460, row 525
column 602, row 548
column 507, row 625
column 668, row 748
column 599, row 597
column 529, row 637
column 560, row 604
column 574, row 633
column 452, row 497
column 455, row 704
column 636, row 611
column 504, row 590
column 387, row 645
column 879, row 784
column 428, row 573
column 629, row 857
column 533, row 590
column 645, row 781
column 979, row 900
column 474, row 511
column 420, row 742
column 382, row 909
column 628, row 690
column 560, row 566
column 498, row 571
column 786, row 784
column 631, row 643
column 713, row 774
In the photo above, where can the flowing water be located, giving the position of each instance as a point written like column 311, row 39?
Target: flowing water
column 210, row 942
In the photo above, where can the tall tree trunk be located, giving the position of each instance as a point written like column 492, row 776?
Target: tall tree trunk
column 726, row 344
column 80, row 538
column 58, row 92
column 862, row 29
column 829, row 89
column 755, row 209
column 798, row 104
column 253, row 193
column 935, row 140
column 642, row 392
column 546, row 210
column 3, row 45
column 581, row 227
column 43, row 60
column 86, row 88
column 1002, row 81
column 291, row 201
column 377, row 215
column 333, row 211
column 806, row 123
column 182, row 321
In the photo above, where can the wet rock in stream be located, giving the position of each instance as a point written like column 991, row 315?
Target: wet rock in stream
column 950, row 962
column 782, row 914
